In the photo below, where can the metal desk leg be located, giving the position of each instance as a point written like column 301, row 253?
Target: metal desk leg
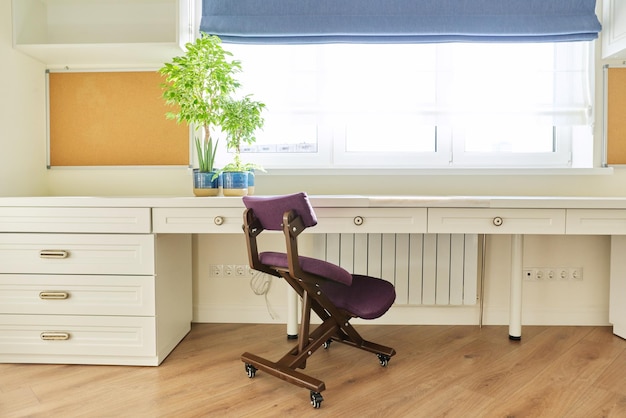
column 515, row 315
column 292, row 314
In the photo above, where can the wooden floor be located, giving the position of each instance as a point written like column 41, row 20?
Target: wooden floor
column 439, row 371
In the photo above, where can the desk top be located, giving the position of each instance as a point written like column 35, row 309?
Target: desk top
column 324, row 201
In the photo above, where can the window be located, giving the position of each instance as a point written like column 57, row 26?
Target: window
column 420, row 105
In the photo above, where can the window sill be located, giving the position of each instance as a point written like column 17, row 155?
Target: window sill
column 440, row 171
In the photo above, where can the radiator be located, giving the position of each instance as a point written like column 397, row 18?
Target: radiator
column 426, row 269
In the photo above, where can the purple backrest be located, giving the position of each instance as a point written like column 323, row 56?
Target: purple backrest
column 269, row 210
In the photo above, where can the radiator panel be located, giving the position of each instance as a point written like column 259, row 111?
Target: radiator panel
column 426, row 269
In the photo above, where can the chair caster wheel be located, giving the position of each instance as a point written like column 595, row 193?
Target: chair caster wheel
column 327, row 344
column 316, row 399
column 251, row 370
column 383, row 359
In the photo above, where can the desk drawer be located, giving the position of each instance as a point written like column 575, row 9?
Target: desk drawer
column 370, row 220
column 596, row 221
column 197, row 220
column 496, row 221
column 77, row 295
column 77, row 253
column 87, row 220
column 61, row 337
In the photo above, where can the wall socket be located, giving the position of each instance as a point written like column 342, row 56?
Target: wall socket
column 230, row 270
column 553, row 273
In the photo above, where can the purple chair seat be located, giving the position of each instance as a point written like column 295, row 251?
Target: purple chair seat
column 367, row 298
column 363, row 296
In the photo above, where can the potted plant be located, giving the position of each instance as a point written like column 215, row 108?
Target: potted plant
column 204, row 183
column 199, row 84
column 241, row 119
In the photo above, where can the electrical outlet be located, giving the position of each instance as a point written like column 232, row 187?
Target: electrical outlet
column 217, row 270
column 552, row 273
column 576, row 273
column 240, row 270
column 229, row 270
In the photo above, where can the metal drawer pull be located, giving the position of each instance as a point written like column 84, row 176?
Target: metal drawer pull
column 218, row 220
column 358, row 220
column 55, row 336
column 497, row 221
column 53, row 254
column 53, row 295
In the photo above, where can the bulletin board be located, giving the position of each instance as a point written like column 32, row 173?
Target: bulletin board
column 112, row 119
column 615, row 118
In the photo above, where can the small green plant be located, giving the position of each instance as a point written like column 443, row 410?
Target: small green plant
column 241, row 119
column 199, row 83
column 206, row 151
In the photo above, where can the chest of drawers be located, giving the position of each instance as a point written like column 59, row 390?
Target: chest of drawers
column 108, row 292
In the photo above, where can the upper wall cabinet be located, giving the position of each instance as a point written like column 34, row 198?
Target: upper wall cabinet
column 614, row 29
column 102, row 32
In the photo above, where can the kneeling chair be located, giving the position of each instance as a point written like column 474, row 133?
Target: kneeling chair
column 334, row 294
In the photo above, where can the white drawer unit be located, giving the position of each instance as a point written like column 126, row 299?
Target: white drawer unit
column 198, row 220
column 61, row 339
column 596, row 221
column 77, row 295
column 91, row 285
column 370, row 220
column 496, row 221
column 77, row 253
column 105, row 220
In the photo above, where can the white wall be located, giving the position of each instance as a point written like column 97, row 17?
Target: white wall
column 22, row 117
column 23, row 172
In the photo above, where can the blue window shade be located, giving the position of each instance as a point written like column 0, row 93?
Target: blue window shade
column 399, row 21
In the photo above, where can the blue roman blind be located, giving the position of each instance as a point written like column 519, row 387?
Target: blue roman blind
column 399, row 21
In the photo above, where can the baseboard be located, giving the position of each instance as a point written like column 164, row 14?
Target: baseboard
column 411, row 315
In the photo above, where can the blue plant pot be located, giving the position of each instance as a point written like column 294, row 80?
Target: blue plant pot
column 204, row 184
column 251, row 177
column 235, row 183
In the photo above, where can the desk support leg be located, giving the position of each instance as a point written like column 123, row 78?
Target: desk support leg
column 515, row 315
column 292, row 314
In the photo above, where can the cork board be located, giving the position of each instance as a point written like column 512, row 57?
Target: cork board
column 616, row 115
column 112, row 119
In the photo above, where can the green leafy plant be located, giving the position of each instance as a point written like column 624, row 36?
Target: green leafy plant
column 199, row 83
column 206, row 151
column 241, row 119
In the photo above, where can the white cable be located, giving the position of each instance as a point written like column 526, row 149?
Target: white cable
column 260, row 284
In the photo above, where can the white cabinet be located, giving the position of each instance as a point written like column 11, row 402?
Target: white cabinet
column 102, row 32
column 90, row 297
column 496, row 221
column 71, row 219
column 370, row 220
column 198, row 220
column 617, row 292
column 596, row 222
column 614, row 29
column 77, row 253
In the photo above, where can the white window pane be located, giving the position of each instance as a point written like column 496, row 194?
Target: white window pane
column 510, row 139
column 394, row 136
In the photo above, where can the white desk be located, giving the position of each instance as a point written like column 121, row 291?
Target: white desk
column 107, row 280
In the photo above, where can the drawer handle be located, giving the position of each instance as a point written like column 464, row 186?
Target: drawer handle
column 53, row 295
column 59, row 254
column 358, row 220
column 55, row 336
column 497, row 221
column 218, row 220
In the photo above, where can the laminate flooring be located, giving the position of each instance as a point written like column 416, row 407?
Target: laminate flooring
column 439, row 371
